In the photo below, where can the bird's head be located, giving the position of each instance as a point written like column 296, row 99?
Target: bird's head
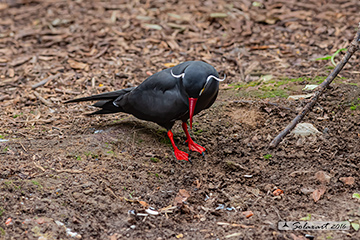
column 196, row 77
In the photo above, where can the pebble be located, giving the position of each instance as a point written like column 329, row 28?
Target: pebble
column 88, row 191
column 305, row 129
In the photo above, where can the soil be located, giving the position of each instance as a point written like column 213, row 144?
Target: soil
column 64, row 175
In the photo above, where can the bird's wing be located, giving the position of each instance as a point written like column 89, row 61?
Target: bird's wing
column 160, row 99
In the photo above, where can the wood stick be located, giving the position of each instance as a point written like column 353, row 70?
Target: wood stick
column 354, row 46
column 43, row 82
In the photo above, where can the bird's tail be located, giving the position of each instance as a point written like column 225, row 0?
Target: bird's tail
column 106, row 103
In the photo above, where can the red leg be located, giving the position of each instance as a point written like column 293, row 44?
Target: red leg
column 180, row 155
column 192, row 145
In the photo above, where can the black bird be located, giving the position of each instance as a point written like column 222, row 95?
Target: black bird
column 176, row 93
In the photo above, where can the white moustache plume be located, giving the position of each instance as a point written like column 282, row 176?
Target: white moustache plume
column 217, row 79
column 182, row 75
column 177, row 76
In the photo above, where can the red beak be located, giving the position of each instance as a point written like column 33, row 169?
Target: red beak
column 192, row 103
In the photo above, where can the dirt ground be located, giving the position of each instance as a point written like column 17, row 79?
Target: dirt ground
column 67, row 176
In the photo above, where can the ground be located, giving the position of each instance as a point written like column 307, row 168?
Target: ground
column 64, row 175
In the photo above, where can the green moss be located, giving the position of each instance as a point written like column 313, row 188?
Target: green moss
column 197, row 132
column 154, row 159
column 36, row 183
column 267, row 156
column 280, row 87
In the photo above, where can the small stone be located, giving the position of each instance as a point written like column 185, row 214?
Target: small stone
column 305, row 129
column 88, row 191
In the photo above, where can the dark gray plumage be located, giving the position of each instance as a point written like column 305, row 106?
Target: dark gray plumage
column 165, row 97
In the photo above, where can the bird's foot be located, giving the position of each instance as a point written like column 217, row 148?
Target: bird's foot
column 195, row 147
column 181, row 156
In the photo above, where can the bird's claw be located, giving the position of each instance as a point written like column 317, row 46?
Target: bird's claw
column 181, row 156
column 196, row 147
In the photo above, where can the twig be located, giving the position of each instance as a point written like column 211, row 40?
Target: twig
column 102, row 51
column 66, row 170
column 43, row 82
column 39, row 166
column 43, row 100
column 354, row 46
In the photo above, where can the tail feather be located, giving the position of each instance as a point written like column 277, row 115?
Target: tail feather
column 106, row 103
column 107, row 107
column 109, row 95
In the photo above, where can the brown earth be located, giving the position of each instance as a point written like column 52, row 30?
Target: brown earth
column 97, row 176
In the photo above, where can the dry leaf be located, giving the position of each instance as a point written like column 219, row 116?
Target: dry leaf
column 347, row 180
column 20, row 60
column 318, row 193
column 144, row 204
column 169, row 65
column 152, row 26
column 11, row 72
column 181, row 197
column 323, row 177
column 77, row 65
column 248, row 213
column 3, row 6
column 278, row 192
column 179, row 235
column 197, row 183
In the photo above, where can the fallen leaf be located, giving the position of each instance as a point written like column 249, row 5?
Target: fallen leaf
column 248, row 213
column 20, row 60
column 307, row 218
column 356, row 195
column 144, row 204
column 310, row 87
column 266, row 78
column 152, row 26
column 278, row 192
column 169, row 65
column 318, row 193
column 77, row 65
column 180, row 235
column 181, row 197
column 323, row 177
column 114, row 237
column 11, row 72
column 347, row 180
column 355, row 226
column 8, row 221
column 218, row 15
column 197, row 183
column 300, row 97
column 3, row 6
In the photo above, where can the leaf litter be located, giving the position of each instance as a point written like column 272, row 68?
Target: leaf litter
column 93, row 47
